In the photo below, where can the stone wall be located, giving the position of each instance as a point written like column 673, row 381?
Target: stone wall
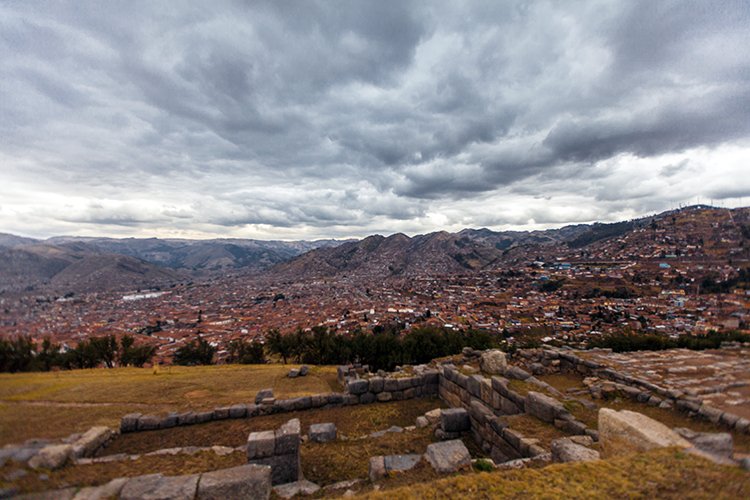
column 245, row 481
column 487, row 400
column 357, row 391
column 550, row 360
column 393, row 388
column 278, row 449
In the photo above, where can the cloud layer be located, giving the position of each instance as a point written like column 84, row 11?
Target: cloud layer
column 340, row 118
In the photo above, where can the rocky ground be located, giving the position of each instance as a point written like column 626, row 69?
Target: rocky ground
column 721, row 376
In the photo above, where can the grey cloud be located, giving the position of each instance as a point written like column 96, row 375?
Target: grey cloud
column 361, row 111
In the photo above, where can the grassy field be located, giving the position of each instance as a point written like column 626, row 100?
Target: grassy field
column 664, row 473
column 322, row 463
column 56, row 404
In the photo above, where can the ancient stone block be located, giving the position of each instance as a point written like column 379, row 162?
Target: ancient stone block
column 493, row 362
column 384, row 396
column 148, row 422
column 376, row 468
column 288, row 438
column 156, row 486
column 186, row 418
column 260, row 444
column 204, row 416
column 543, row 407
column 245, row 481
column 448, row 456
column 284, row 468
column 169, row 421
column 263, row 394
column 454, row 420
column 358, row 386
column 390, row 384
column 52, row 457
column 367, row 398
column 129, row 423
column 91, row 440
column 719, row 444
column 376, row 384
column 564, row 450
column 710, row 413
column 627, row 431
column 303, row 487
column 221, row 413
column 401, row 463
column 238, row 411
column 109, row 490
column 517, row 373
column 322, row 433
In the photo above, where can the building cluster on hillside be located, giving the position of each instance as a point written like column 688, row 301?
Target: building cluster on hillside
column 649, row 280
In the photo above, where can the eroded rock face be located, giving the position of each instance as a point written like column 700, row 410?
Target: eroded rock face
column 622, row 432
column 448, row 456
column 493, row 362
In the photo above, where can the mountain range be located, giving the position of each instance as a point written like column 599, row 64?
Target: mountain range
column 92, row 264
column 87, row 264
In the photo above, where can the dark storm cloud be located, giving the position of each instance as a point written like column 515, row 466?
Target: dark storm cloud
column 353, row 114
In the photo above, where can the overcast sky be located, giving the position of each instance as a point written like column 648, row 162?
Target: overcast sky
column 285, row 120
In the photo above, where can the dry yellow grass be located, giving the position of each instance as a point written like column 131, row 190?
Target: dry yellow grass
column 56, row 404
column 665, row 473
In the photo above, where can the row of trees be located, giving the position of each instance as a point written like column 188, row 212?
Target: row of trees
column 21, row 354
column 383, row 349
column 628, row 341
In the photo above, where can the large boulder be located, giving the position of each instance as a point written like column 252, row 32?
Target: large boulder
column 52, row 457
column 448, row 456
column 493, row 362
column 245, row 481
column 565, row 450
column 622, row 432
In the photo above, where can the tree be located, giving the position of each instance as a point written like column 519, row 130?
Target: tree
column 246, row 353
column 17, row 354
column 283, row 345
column 104, row 349
column 131, row 355
column 197, row 352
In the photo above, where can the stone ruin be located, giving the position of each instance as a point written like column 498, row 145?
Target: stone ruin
column 478, row 401
column 278, row 449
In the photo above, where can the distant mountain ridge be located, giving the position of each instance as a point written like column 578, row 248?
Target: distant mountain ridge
column 89, row 264
column 470, row 250
column 102, row 263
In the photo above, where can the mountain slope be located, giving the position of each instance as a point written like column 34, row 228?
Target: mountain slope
column 200, row 254
column 76, row 269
